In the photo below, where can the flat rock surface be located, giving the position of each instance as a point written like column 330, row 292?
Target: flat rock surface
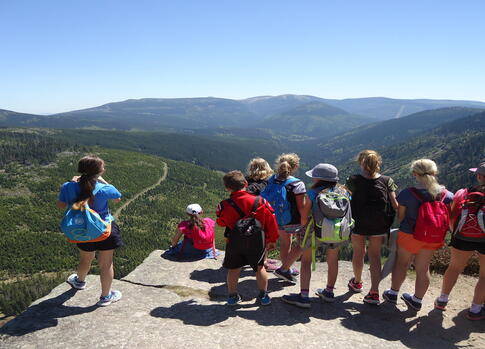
column 170, row 304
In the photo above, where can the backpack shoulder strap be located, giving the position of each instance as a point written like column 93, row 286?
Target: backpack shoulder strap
column 256, row 204
column 417, row 194
column 443, row 195
column 236, row 207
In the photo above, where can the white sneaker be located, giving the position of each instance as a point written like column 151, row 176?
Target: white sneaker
column 114, row 296
column 75, row 282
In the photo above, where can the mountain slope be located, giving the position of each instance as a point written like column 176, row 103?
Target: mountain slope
column 313, row 119
column 388, row 108
column 344, row 147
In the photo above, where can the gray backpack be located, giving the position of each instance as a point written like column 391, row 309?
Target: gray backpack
column 332, row 216
column 331, row 220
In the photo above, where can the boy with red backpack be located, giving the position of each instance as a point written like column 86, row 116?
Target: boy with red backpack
column 468, row 210
column 423, row 213
column 251, row 229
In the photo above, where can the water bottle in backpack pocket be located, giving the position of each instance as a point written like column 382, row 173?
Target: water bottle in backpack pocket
column 281, row 198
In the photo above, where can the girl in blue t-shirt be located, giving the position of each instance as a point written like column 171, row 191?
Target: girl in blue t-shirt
column 81, row 188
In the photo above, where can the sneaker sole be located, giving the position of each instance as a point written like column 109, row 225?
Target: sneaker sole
column 409, row 304
column 282, row 277
column 387, row 299
column 371, row 302
column 439, row 307
column 475, row 318
column 299, row 305
column 325, row 299
column 74, row 286
column 355, row 290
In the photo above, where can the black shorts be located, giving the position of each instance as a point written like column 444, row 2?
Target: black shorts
column 464, row 245
column 236, row 258
column 112, row 242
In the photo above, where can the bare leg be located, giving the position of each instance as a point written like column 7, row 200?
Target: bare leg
column 457, row 264
column 232, row 279
column 285, row 244
column 332, row 263
column 306, row 269
column 261, row 278
column 479, row 296
column 105, row 260
column 358, row 247
column 85, row 260
column 421, row 263
column 400, row 268
column 374, row 254
column 291, row 258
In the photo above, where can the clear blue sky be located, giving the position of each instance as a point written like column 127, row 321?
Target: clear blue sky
column 63, row 55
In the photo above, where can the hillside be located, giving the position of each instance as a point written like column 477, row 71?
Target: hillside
column 345, row 146
column 33, row 250
column 169, row 114
column 315, row 119
column 383, row 108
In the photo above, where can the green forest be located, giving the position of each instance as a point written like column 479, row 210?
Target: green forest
column 34, row 163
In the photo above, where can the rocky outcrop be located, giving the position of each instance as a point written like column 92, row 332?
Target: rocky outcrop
column 170, row 304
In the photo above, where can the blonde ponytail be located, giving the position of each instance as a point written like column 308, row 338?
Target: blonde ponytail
column 426, row 171
column 286, row 164
column 370, row 161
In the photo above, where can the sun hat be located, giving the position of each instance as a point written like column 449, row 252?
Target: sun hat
column 324, row 172
column 480, row 169
column 194, row 209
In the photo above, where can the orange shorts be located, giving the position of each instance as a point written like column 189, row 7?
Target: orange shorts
column 410, row 244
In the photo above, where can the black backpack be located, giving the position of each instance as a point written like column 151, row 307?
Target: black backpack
column 248, row 234
column 371, row 206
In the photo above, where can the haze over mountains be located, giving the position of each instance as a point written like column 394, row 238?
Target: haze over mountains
column 289, row 114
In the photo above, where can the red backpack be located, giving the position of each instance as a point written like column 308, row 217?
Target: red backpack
column 470, row 217
column 433, row 219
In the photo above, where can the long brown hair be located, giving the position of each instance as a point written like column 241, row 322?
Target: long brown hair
column 90, row 167
column 286, row 164
column 371, row 161
column 196, row 220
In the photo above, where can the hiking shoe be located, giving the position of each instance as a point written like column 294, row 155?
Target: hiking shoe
column 326, row 295
column 270, row 267
column 408, row 299
column 372, row 298
column 389, row 297
column 285, row 275
column 476, row 316
column 294, row 272
column 114, row 296
column 355, row 286
column 75, row 282
column 264, row 299
column 297, row 299
column 234, row 299
column 440, row 305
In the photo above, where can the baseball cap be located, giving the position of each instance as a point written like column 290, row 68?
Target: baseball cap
column 324, row 172
column 480, row 169
column 194, row 209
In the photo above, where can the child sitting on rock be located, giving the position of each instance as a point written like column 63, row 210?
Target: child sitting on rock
column 251, row 229
column 198, row 233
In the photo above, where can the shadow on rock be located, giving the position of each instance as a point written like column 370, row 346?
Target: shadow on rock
column 216, row 276
column 44, row 315
column 388, row 322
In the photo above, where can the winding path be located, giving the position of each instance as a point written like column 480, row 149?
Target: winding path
column 137, row 195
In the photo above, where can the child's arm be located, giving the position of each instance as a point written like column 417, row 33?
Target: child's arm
column 220, row 215
column 304, row 206
column 176, row 238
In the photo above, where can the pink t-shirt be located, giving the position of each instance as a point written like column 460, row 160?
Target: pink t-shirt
column 209, row 225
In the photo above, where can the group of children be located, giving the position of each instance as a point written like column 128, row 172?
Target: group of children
column 264, row 207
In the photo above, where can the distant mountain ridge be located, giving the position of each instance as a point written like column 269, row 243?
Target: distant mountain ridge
column 301, row 114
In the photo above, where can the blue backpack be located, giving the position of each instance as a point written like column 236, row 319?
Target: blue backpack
column 279, row 195
column 83, row 224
